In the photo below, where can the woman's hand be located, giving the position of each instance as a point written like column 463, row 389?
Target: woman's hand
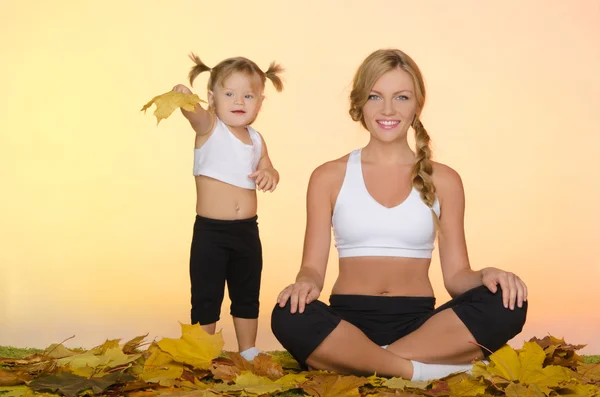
column 300, row 294
column 513, row 288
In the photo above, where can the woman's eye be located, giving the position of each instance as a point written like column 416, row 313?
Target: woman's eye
column 373, row 97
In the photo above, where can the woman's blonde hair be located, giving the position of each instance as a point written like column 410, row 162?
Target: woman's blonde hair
column 225, row 68
column 372, row 68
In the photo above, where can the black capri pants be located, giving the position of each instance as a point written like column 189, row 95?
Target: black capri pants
column 385, row 319
column 225, row 251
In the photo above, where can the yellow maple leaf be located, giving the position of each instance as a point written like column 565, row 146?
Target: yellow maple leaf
column 525, row 367
column 196, row 347
column 334, row 385
column 169, row 101
column 519, row 390
column 466, row 388
column 251, row 383
column 400, row 383
column 159, row 366
column 109, row 344
column 59, row 351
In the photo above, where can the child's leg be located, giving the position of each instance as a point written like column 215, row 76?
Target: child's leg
column 208, row 269
column 243, row 283
column 245, row 331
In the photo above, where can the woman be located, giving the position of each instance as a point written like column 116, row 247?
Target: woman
column 386, row 204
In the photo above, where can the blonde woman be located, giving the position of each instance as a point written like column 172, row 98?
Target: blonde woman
column 386, row 204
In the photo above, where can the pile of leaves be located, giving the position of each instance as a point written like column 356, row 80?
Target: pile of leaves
column 196, row 365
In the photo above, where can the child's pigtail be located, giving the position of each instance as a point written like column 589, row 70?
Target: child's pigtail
column 198, row 68
column 273, row 74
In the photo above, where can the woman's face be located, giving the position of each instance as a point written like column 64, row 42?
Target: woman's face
column 391, row 106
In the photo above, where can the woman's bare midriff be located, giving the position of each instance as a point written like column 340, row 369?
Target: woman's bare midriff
column 220, row 200
column 383, row 276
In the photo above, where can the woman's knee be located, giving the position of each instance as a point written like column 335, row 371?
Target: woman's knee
column 492, row 324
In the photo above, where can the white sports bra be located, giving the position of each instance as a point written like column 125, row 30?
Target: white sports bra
column 363, row 227
column 225, row 158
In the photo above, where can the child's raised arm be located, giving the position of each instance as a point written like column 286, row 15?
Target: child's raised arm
column 201, row 120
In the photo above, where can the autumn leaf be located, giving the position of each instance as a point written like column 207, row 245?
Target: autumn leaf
column 519, row 390
column 58, row 351
column 196, row 347
column 103, row 348
column 225, row 372
column 131, row 346
column 166, row 103
column 334, row 385
column 265, row 366
column 466, row 388
column 71, row 385
column 525, row 367
column 251, row 383
column 11, row 378
column 438, row 388
column 400, row 383
column 159, row 366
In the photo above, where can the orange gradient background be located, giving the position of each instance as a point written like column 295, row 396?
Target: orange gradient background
column 98, row 202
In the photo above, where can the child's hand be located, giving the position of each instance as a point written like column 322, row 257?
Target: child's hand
column 266, row 179
column 181, row 88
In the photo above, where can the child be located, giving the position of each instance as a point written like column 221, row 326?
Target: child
column 230, row 162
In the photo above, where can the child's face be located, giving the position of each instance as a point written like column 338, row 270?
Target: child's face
column 237, row 100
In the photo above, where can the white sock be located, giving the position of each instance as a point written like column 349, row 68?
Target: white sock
column 425, row 372
column 384, row 347
column 249, row 354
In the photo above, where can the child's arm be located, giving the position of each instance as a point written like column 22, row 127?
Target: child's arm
column 266, row 175
column 201, row 120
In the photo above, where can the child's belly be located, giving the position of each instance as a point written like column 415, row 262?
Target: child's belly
column 219, row 200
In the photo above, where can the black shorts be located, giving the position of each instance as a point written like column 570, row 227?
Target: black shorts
column 225, row 251
column 385, row 319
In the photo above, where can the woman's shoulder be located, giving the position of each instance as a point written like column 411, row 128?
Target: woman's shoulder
column 446, row 178
column 330, row 172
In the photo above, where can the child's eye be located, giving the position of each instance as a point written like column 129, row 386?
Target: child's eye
column 373, row 97
column 229, row 94
column 249, row 96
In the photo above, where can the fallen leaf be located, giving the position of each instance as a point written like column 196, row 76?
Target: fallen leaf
column 265, row 366
column 159, row 366
column 251, row 383
column 166, row 103
column 400, row 383
column 225, row 372
column 58, row 351
column 11, row 378
column 466, row 388
column 71, row 385
column 103, row 348
column 196, row 347
column 334, row 385
column 131, row 346
column 519, row 390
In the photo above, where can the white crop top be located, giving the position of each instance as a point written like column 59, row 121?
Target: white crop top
column 225, row 158
column 363, row 227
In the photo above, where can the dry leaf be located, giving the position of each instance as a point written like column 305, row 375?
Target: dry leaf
column 166, row 103
column 334, row 385
column 196, row 347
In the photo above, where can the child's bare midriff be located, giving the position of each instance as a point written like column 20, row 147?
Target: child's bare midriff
column 220, row 200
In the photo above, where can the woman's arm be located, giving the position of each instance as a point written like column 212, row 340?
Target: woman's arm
column 317, row 240
column 457, row 272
